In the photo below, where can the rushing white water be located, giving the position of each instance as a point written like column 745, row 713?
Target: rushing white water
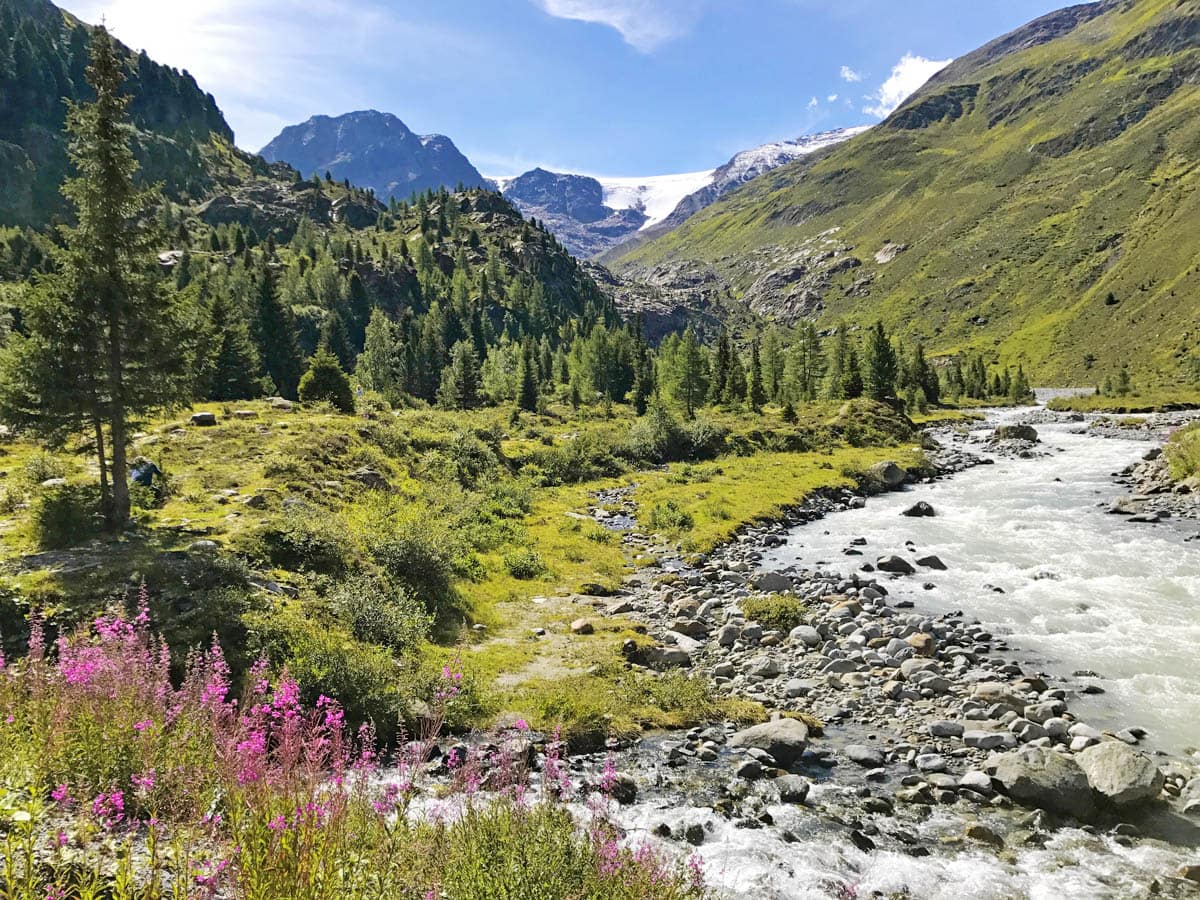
column 1083, row 590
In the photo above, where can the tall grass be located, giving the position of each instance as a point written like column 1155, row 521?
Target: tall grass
column 117, row 783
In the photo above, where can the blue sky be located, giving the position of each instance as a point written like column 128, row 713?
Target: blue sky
column 609, row 87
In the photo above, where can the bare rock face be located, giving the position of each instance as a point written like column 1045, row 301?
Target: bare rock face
column 794, row 280
column 1122, row 775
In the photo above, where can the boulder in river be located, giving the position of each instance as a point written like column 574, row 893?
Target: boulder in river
column 1016, row 433
column 890, row 475
column 785, row 739
column 1045, row 779
column 919, row 510
column 932, row 562
column 1119, row 773
column 895, row 565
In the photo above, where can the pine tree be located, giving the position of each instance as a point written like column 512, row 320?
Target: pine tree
column 527, row 395
column 336, row 340
column 460, row 381
column 852, row 380
column 274, row 331
column 836, row 376
column 380, row 367
column 690, row 384
column 325, row 381
column 235, row 369
column 720, row 369
column 104, row 340
column 755, row 393
column 882, row 366
column 735, row 384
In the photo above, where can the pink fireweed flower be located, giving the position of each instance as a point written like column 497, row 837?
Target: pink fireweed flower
column 279, row 823
column 61, row 839
column 608, row 777
column 521, row 725
column 61, row 794
column 216, row 687
column 109, row 809
column 145, row 781
column 143, row 725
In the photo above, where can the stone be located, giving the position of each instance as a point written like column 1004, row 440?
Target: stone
column 785, row 739
column 280, row 404
column 980, row 782
column 623, row 790
column 728, row 635
column 368, row 478
column 204, row 419
column 1121, row 774
column 1046, row 779
column 922, row 643
column 867, row 757
column 764, row 667
column 773, row 583
column 806, row 635
column 890, row 475
column 750, row 769
column 1015, row 433
column 919, row 510
column 990, row 740
column 797, row 688
column 894, row 565
column 946, row 728
column 582, row 626
column 931, row 762
column 992, row 693
column 932, row 562
column 792, row 788
column 984, row 835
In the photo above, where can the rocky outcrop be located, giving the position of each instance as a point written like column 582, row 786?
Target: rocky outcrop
column 670, row 298
column 572, row 207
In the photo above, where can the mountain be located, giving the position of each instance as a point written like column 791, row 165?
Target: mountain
column 591, row 215
column 1037, row 200
column 373, row 150
column 182, row 139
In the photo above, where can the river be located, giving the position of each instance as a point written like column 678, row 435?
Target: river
column 1082, row 590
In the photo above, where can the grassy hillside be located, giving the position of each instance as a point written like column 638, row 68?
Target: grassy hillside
column 1036, row 201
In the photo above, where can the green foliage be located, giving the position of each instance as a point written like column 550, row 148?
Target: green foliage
column 524, row 564
column 582, row 458
column 376, row 612
column 67, row 515
column 304, row 538
column 670, row 518
column 1183, row 452
column 776, row 612
column 326, row 382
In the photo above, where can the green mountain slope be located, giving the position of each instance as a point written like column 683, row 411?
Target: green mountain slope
column 183, row 140
column 1037, row 201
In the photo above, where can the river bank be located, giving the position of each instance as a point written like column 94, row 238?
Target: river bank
column 924, row 707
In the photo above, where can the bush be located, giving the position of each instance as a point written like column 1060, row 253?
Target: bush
column 670, row 517
column 705, row 438
column 67, row 515
column 44, row 465
column 414, row 556
column 325, row 381
column 524, row 564
column 778, row 612
column 304, row 539
column 1183, row 452
column 581, row 459
column 656, row 437
column 378, row 613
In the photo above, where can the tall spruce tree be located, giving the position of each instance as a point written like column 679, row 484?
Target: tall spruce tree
column 105, row 339
column 690, row 379
column 274, row 330
column 882, row 366
column 234, row 371
column 527, row 393
column 720, row 369
column 460, row 381
column 754, row 392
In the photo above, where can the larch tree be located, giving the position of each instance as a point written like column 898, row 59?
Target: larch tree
column 105, row 337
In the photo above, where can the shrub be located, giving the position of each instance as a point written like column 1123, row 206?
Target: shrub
column 778, row 612
column 378, row 613
column 656, row 437
column 325, row 381
column 668, row 516
column 524, row 564
column 413, row 555
column 67, row 515
column 582, row 459
column 1183, row 452
column 705, row 438
column 44, row 465
column 307, row 538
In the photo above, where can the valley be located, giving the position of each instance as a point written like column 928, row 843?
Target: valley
column 820, row 524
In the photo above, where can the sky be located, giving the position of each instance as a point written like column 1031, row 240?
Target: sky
column 605, row 87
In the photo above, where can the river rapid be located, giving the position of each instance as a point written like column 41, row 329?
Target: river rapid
column 1072, row 591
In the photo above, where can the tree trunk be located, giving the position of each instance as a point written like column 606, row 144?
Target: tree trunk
column 105, row 493
column 120, row 477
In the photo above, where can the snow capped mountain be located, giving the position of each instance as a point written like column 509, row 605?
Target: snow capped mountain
column 621, row 209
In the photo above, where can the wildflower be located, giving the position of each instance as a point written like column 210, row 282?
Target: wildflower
column 143, row 725
column 609, row 777
column 144, row 781
column 521, row 725
column 279, row 823
column 61, row 794
column 109, row 809
column 696, row 869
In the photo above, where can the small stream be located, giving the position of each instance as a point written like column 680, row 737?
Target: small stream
column 1079, row 590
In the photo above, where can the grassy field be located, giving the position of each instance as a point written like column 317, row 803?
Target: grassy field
column 1136, row 402
column 468, row 534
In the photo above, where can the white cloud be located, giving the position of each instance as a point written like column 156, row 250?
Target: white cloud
column 908, row 75
column 832, row 98
column 814, row 103
column 644, row 24
column 260, row 60
column 848, row 74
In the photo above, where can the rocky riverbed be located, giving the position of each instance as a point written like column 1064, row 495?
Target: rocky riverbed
column 938, row 740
